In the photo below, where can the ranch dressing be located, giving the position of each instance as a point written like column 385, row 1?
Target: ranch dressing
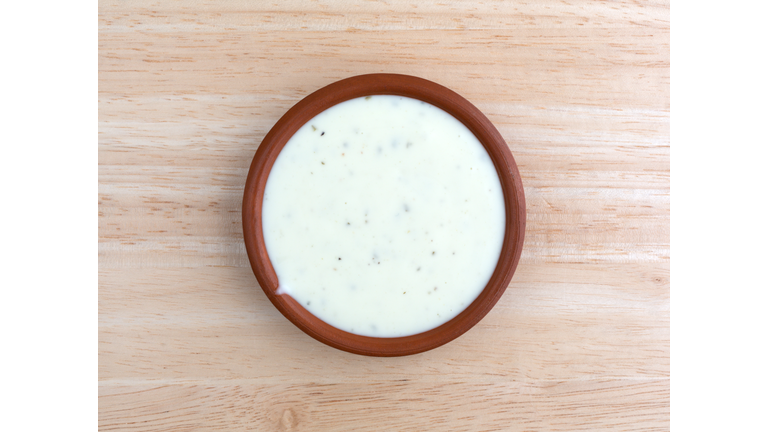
column 383, row 216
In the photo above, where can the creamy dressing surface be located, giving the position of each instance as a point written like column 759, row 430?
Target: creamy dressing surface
column 383, row 216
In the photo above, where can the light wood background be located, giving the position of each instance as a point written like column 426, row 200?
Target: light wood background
column 188, row 341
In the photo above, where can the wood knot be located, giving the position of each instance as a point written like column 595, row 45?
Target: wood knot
column 288, row 420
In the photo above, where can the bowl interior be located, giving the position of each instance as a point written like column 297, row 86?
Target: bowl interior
column 398, row 85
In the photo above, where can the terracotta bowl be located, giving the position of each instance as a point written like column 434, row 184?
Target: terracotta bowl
column 398, row 85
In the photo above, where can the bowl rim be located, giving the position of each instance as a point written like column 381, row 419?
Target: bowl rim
column 371, row 85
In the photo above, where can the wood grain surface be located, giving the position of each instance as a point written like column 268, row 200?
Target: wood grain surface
column 187, row 339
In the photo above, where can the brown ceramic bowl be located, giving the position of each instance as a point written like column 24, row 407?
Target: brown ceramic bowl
column 399, row 85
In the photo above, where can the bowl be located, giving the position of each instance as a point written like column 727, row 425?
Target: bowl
column 398, row 85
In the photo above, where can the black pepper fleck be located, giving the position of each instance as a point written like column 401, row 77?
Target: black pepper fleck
column 322, row 133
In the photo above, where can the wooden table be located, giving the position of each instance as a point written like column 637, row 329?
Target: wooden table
column 187, row 339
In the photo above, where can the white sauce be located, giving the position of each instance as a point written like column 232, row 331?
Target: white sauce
column 383, row 216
